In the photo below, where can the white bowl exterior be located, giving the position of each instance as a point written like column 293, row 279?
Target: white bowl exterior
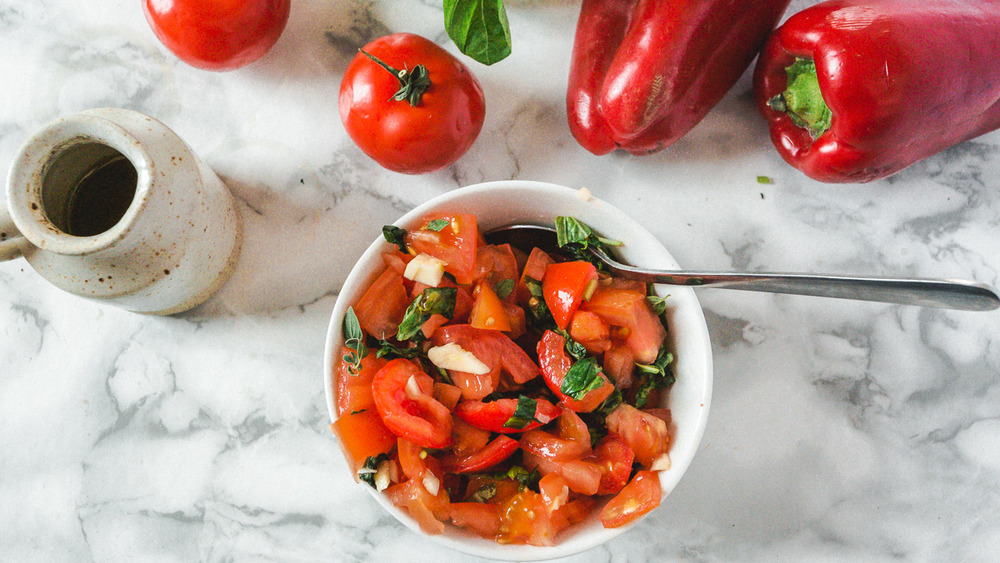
column 497, row 204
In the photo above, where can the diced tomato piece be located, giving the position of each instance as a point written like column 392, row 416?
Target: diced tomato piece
column 555, row 362
column 495, row 349
column 534, row 268
column 493, row 415
column 447, row 395
column 545, row 445
column 646, row 434
column 573, row 512
column 382, row 307
column 495, row 263
column 582, row 475
column 564, row 286
column 640, row 496
column 488, row 311
column 518, row 322
column 571, row 427
column 410, row 413
column 619, row 364
column 432, row 324
column 554, row 490
column 455, row 244
column 615, row 458
column 466, row 438
column 630, row 309
column 496, row 451
column 410, row 461
column 591, row 331
column 430, row 511
column 481, row 518
column 354, row 391
column 396, row 260
column 523, row 519
column 363, row 435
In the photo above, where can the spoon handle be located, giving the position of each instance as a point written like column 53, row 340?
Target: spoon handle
column 949, row 294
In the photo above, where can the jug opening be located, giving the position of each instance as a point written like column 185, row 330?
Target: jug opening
column 87, row 188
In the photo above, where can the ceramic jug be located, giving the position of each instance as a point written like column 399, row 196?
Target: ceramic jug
column 111, row 205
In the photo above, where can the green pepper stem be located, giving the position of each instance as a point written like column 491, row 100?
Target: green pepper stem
column 412, row 83
column 803, row 100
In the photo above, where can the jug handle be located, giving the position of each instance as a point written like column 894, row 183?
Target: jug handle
column 12, row 242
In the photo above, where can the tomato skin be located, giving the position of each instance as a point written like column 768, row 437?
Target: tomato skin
column 629, row 308
column 640, row 496
column 491, row 416
column 495, row 349
column 381, row 308
column 354, row 391
column 645, row 433
column 480, row 517
column 496, row 451
column 564, row 286
column 404, row 138
column 362, row 435
column 615, row 457
column 488, row 311
column 217, row 35
column 420, row 419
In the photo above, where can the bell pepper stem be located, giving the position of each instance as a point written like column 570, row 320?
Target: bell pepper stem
column 802, row 99
column 412, row 83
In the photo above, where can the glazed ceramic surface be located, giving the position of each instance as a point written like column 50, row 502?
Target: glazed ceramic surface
column 178, row 236
column 838, row 430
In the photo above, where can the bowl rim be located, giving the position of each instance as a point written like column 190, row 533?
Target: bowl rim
column 684, row 310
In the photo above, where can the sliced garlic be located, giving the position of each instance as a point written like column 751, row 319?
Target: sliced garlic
column 431, row 483
column 454, row 357
column 383, row 476
column 661, row 463
column 412, row 388
column 425, row 269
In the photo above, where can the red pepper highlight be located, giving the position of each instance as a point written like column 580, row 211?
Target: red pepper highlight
column 644, row 72
column 903, row 80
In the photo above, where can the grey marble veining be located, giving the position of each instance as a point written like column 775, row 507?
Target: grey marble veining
column 839, row 430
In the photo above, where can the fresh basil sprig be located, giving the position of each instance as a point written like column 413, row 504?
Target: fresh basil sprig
column 574, row 238
column 440, row 300
column 479, row 28
column 354, row 340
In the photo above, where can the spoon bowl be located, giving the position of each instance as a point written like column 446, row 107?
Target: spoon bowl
column 942, row 293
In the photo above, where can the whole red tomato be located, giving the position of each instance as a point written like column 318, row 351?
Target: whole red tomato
column 217, row 34
column 420, row 122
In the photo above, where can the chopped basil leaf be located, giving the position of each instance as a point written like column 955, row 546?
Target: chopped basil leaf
column 395, row 235
column 484, row 493
column 538, row 314
column 359, row 411
column 388, row 349
column 576, row 350
column 656, row 375
column 574, row 238
column 504, row 288
column 522, row 476
column 354, row 340
column 659, row 304
column 524, row 413
column 432, row 300
column 437, row 224
column 581, row 378
column 370, row 468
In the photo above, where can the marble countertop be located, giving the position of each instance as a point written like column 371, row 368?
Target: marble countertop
column 839, row 430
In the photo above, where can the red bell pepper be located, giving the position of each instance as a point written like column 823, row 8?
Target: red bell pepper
column 856, row 90
column 644, row 72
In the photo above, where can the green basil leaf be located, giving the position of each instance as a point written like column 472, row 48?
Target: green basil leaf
column 354, row 340
column 574, row 238
column 437, row 224
column 656, row 375
column 432, row 300
column 484, row 493
column 570, row 230
column 524, row 413
column 479, row 28
column 581, row 378
column 659, row 304
column 504, row 288
column 395, row 235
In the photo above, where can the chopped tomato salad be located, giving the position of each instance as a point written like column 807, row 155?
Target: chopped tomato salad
column 507, row 391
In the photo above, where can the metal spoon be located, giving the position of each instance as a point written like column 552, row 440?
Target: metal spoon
column 944, row 293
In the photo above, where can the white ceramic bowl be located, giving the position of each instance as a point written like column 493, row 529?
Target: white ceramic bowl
column 502, row 203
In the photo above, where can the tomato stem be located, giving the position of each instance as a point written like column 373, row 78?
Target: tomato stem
column 412, row 83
